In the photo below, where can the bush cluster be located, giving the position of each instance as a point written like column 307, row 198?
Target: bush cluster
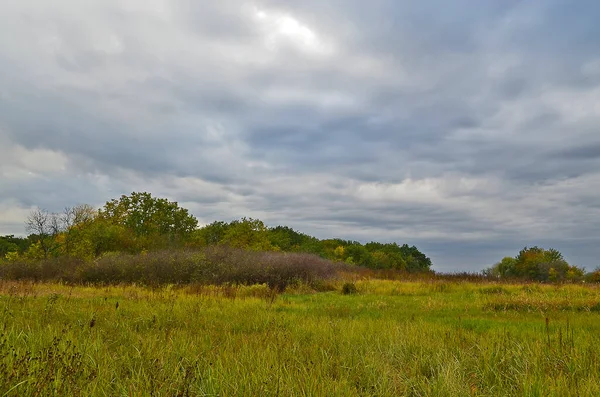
column 211, row 265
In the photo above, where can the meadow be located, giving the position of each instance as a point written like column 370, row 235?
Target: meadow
column 387, row 338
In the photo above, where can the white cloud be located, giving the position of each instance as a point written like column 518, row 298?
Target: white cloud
column 281, row 29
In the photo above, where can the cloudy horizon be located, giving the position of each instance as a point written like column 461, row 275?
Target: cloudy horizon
column 468, row 130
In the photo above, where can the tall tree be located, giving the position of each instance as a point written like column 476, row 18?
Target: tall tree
column 153, row 221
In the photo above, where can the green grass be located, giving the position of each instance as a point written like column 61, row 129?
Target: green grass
column 391, row 338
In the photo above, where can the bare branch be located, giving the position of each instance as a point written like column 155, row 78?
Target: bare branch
column 83, row 213
column 38, row 222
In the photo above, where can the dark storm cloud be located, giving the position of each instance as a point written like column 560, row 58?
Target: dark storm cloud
column 467, row 129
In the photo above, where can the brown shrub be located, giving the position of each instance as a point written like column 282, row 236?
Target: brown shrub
column 212, row 265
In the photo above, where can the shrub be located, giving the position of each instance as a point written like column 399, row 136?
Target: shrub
column 212, row 265
column 349, row 289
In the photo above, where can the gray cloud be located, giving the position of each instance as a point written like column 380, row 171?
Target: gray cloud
column 587, row 152
column 469, row 130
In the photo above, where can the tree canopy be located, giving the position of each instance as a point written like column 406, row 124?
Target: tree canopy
column 147, row 216
column 252, row 234
column 537, row 264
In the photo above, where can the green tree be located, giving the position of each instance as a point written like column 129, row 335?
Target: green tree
column 357, row 254
column 247, row 233
column 76, row 240
column 387, row 256
column 11, row 243
column 330, row 248
column 106, row 236
column 535, row 263
column 36, row 251
column 211, row 234
column 416, row 261
column 155, row 222
column 503, row 269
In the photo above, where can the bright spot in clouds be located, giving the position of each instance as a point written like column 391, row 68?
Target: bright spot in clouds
column 281, row 29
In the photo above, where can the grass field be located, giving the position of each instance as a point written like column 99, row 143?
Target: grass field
column 392, row 338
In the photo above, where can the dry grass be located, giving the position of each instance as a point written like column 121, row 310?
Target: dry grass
column 430, row 337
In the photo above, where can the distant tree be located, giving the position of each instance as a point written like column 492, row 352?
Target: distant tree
column 7, row 246
column 12, row 244
column 44, row 226
column 288, row 239
column 101, row 236
column 339, row 254
column 503, row 269
column 387, row 256
column 416, row 261
column 593, row 276
column 284, row 238
column 76, row 240
column 249, row 234
column 211, row 234
column 333, row 249
column 78, row 215
column 535, row 263
column 357, row 254
column 153, row 221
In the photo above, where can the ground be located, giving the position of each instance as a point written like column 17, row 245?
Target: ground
column 392, row 338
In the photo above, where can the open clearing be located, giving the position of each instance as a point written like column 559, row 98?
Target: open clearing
column 392, row 338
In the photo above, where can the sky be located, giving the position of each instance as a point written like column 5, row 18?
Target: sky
column 469, row 129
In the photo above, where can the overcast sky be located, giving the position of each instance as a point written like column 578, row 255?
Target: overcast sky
column 468, row 128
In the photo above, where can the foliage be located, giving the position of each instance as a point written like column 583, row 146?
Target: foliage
column 12, row 256
column 247, row 233
column 76, row 240
column 593, row 277
column 154, row 222
column 10, row 243
column 140, row 222
column 537, row 264
column 287, row 239
column 36, row 251
column 211, row 234
column 252, row 234
column 505, row 268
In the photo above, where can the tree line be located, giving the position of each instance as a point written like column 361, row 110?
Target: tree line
column 139, row 223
